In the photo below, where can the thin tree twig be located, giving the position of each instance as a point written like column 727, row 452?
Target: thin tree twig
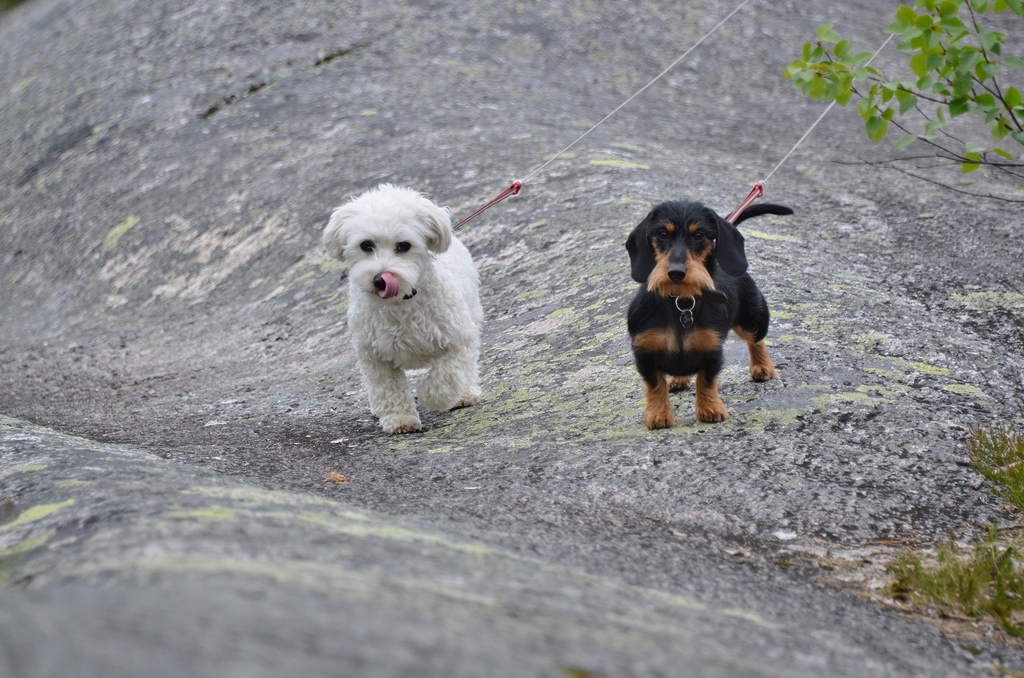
column 883, row 165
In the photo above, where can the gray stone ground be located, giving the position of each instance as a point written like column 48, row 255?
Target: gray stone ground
column 176, row 380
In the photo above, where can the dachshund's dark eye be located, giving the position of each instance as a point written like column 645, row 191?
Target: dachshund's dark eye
column 403, row 247
column 698, row 236
column 662, row 234
column 366, row 246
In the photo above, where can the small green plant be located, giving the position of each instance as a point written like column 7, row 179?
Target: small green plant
column 999, row 456
column 985, row 580
column 958, row 67
column 9, row 4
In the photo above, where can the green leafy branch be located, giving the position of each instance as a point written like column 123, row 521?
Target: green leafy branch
column 960, row 68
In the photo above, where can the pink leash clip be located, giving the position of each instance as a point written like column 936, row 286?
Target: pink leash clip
column 756, row 192
column 511, row 190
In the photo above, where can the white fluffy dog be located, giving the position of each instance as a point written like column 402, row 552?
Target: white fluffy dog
column 414, row 302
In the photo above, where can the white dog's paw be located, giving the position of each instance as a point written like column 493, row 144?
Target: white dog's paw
column 442, row 391
column 400, row 423
column 439, row 402
column 468, row 399
column 449, row 403
column 442, row 398
column 436, row 394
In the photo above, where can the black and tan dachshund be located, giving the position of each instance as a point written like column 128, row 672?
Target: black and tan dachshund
column 694, row 289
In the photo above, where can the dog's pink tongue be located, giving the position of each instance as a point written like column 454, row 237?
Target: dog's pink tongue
column 390, row 285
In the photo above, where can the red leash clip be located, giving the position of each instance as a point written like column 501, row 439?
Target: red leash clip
column 756, row 192
column 511, row 190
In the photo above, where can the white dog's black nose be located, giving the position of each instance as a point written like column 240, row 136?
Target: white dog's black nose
column 378, row 282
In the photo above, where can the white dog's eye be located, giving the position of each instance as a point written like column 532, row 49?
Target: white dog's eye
column 403, row 247
column 366, row 246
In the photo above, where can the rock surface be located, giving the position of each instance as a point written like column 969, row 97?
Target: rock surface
column 177, row 380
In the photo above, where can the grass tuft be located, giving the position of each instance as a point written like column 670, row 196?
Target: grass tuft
column 985, row 580
column 973, row 582
column 999, row 456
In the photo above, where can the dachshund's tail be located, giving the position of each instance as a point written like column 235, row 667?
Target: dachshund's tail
column 764, row 208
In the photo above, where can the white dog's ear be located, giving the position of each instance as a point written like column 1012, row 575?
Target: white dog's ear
column 438, row 225
column 333, row 238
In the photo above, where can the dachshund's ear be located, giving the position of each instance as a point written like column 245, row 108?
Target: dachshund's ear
column 641, row 254
column 729, row 248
